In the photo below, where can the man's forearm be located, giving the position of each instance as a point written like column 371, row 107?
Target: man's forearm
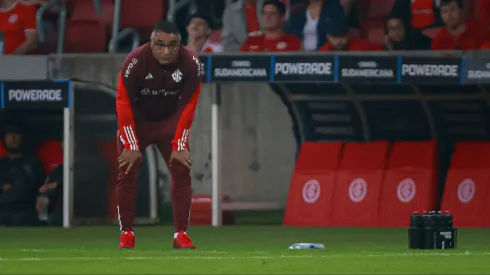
column 26, row 47
column 125, row 117
column 179, row 143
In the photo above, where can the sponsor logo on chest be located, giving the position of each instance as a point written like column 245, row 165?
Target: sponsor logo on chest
column 134, row 61
column 163, row 87
column 159, row 92
column 167, row 85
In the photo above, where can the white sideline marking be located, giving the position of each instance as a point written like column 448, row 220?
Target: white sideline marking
column 32, row 250
column 466, row 253
column 150, row 258
column 128, row 251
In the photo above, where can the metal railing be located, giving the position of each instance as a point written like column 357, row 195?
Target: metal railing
column 118, row 36
column 174, row 6
column 2, row 44
column 61, row 24
column 98, row 6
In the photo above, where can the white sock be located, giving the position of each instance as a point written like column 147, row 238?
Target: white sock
column 175, row 234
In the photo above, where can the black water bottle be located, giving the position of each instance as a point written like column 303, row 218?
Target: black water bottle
column 415, row 232
column 438, row 219
column 429, row 231
column 440, row 225
column 450, row 227
column 423, row 218
column 444, row 222
column 449, row 219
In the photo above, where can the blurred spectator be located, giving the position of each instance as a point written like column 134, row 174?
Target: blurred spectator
column 240, row 20
column 338, row 39
column 21, row 174
column 311, row 20
column 351, row 10
column 18, row 24
column 400, row 37
column 90, row 178
column 458, row 33
column 274, row 38
column 199, row 29
column 418, row 14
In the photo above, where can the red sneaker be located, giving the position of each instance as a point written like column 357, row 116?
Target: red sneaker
column 183, row 241
column 127, row 239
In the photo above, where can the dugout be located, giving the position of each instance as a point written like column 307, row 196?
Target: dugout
column 85, row 113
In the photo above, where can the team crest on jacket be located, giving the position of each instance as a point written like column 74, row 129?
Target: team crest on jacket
column 177, row 76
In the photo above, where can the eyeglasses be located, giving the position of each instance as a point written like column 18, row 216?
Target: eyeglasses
column 171, row 47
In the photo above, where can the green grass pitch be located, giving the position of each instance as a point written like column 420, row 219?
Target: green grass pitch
column 236, row 250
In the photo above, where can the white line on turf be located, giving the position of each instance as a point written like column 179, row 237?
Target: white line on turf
column 106, row 250
column 466, row 253
column 150, row 258
column 32, row 250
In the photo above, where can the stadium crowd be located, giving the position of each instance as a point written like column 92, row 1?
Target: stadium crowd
column 283, row 25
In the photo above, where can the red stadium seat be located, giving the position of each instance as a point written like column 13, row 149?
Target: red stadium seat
column 142, row 15
column 379, row 9
column 85, row 37
column 201, row 211
column 3, row 152
column 358, row 187
column 310, row 194
column 482, row 11
column 467, row 187
column 84, row 10
column 410, row 182
column 373, row 25
column 376, row 33
column 50, row 154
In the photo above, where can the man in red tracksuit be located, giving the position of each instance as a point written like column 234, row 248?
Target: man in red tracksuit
column 458, row 33
column 157, row 93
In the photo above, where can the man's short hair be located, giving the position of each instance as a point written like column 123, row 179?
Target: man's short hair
column 202, row 16
column 281, row 8
column 447, row 2
column 12, row 129
column 338, row 26
column 166, row 27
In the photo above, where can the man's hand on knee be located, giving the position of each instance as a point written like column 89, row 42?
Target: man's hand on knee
column 129, row 159
column 181, row 157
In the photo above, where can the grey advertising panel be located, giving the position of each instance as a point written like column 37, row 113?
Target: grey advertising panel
column 477, row 71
